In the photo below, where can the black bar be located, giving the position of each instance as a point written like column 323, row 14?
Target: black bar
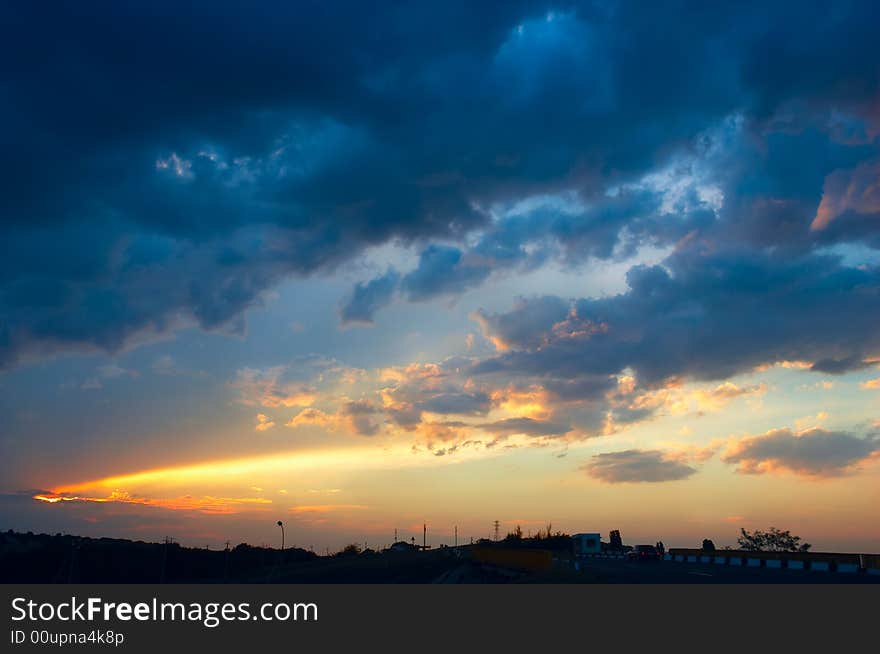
column 494, row 618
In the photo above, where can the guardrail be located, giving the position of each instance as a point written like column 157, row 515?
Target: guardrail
column 816, row 561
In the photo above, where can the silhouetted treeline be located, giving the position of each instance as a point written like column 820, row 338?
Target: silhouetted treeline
column 545, row 539
column 43, row 558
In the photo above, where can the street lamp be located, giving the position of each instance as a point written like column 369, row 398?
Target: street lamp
column 281, row 524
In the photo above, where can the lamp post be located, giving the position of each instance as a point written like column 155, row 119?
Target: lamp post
column 281, row 524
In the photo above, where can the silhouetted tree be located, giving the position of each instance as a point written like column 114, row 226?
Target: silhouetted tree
column 515, row 535
column 350, row 550
column 708, row 545
column 773, row 540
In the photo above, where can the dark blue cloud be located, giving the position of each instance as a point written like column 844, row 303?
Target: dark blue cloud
column 164, row 167
column 705, row 315
column 369, row 297
column 442, row 270
column 609, row 228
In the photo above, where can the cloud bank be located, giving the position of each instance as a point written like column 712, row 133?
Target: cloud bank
column 149, row 188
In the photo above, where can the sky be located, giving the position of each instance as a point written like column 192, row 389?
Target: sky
column 363, row 268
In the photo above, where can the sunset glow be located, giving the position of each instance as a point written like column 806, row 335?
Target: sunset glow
column 593, row 266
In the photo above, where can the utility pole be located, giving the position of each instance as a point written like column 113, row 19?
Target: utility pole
column 456, row 535
column 425, row 536
column 497, row 524
column 395, row 534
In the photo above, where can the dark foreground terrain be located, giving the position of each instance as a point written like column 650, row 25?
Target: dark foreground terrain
column 670, row 572
column 30, row 558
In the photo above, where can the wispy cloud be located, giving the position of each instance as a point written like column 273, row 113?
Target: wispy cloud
column 202, row 504
column 267, row 388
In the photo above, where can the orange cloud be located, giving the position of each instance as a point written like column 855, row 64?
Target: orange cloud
column 423, row 371
column 312, row 416
column 792, row 365
column 533, row 402
column 626, row 385
column 675, row 399
column 263, row 422
column 355, row 416
column 445, row 432
column 812, row 453
column 265, row 388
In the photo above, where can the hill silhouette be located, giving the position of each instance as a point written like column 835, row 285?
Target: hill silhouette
column 44, row 558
